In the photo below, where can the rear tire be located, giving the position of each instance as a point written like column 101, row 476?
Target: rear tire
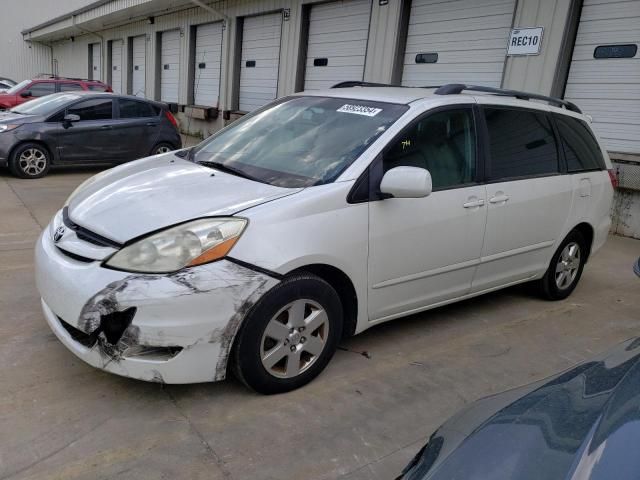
column 163, row 147
column 30, row 160
column 289, row 335
column 565, row 268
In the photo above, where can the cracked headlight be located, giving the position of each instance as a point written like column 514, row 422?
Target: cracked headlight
column 192, row 243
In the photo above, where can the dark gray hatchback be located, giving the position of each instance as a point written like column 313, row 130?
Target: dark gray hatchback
column 83, row 128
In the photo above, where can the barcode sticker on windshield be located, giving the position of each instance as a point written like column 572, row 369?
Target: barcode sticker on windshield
column 359, row 110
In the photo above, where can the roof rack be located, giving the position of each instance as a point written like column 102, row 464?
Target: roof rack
column 455, row 88
column 59, row 77
column 358, row 83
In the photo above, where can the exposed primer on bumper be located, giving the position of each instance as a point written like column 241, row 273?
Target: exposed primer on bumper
column 199, row 310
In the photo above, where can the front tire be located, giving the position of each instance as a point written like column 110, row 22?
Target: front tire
column 289, row 336
column 565, row 268
column 30, row 160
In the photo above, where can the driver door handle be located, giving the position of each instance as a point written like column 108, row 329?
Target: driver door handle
column 106, row 127
column 474, row 203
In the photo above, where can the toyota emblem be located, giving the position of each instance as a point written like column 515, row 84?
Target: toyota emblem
column 58, row 234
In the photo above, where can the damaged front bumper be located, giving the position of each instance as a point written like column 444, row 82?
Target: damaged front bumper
column 171, row 328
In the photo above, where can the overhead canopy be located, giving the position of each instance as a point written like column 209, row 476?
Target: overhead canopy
column 100, row 15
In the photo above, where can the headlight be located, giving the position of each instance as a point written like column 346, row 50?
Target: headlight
column 193, row 243
column 5, row 127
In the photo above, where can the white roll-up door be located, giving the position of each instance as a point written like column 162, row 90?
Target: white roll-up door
column 96, row 62
column 337, row 44
column 170, row 66
column 208, row 54
column 259, row 61
column 116, row 66
column 461, row 41
column 608, row 88
column 138, row 65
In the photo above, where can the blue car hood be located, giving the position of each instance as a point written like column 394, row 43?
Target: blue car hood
column 583, row 424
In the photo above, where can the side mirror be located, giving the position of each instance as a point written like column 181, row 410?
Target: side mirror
column 407, row 182
column 71, row 117
column 636, row 267
column 26, row 94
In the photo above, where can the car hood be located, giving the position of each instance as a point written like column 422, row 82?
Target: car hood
column 9, row 117
column 149, row 194
column 583, row 424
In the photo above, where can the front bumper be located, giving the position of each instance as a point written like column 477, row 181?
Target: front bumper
column 195, row 312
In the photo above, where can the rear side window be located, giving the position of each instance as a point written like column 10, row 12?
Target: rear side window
column 135, row 109
column 40, row 89
column 521, row 144
column 580, row 147
column 96, row 87
column 70, row 87
column 94, row 109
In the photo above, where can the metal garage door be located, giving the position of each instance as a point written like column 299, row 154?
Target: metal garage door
column 96, row 62
column 206, row 79
column 116, row 66
column 260, row 58
column 609, row 88
column 462, row 41
column 338, row 33
column 170, row 66
column 138, row 65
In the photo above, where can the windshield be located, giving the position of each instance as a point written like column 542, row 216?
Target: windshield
column 45, row 105
column 299, row 141
column 19, row 86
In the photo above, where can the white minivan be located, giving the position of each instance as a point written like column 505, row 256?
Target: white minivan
column 315, row 217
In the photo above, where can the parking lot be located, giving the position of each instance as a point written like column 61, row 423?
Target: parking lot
column 363, row 418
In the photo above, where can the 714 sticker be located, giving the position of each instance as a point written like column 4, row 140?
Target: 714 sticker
column 359, row 110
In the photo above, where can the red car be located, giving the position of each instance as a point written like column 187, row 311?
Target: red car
column 39, row 87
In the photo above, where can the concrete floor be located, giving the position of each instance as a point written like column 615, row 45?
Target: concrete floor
column 361, row 419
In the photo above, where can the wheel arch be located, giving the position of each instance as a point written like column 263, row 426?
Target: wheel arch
column 587, row 231
column 343, row 286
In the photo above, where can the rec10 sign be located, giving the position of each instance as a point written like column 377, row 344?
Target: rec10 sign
column 525, row 41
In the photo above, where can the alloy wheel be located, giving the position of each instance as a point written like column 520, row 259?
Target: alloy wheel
column 32, row 161
column 568, row 266
column 162, row 149
column 294, row 338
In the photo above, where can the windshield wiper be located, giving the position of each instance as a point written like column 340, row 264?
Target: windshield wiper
column 225, row 168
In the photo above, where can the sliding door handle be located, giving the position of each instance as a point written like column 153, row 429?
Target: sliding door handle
column 499, row 198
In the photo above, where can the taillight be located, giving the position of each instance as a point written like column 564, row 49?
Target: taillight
column 613, row 176
column 171, row 118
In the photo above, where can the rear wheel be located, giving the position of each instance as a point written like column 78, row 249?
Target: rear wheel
column 565, row 268
column 30, row 160
column 163, row 147
column 289, row 336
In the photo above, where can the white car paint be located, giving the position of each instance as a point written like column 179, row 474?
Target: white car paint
column 402, row 255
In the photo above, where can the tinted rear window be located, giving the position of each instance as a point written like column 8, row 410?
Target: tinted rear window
column 580, row 147
column 97, row 88
column 135, row 109
column 68, row 87
column 521, row 144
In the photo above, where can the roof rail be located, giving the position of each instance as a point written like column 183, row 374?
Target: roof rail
column 60, row 77
column 455, row 88
column 358, row 83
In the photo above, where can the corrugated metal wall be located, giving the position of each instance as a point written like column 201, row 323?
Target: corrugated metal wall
column 18, row 59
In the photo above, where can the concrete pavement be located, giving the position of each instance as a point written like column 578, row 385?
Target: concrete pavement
column 364, row 418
